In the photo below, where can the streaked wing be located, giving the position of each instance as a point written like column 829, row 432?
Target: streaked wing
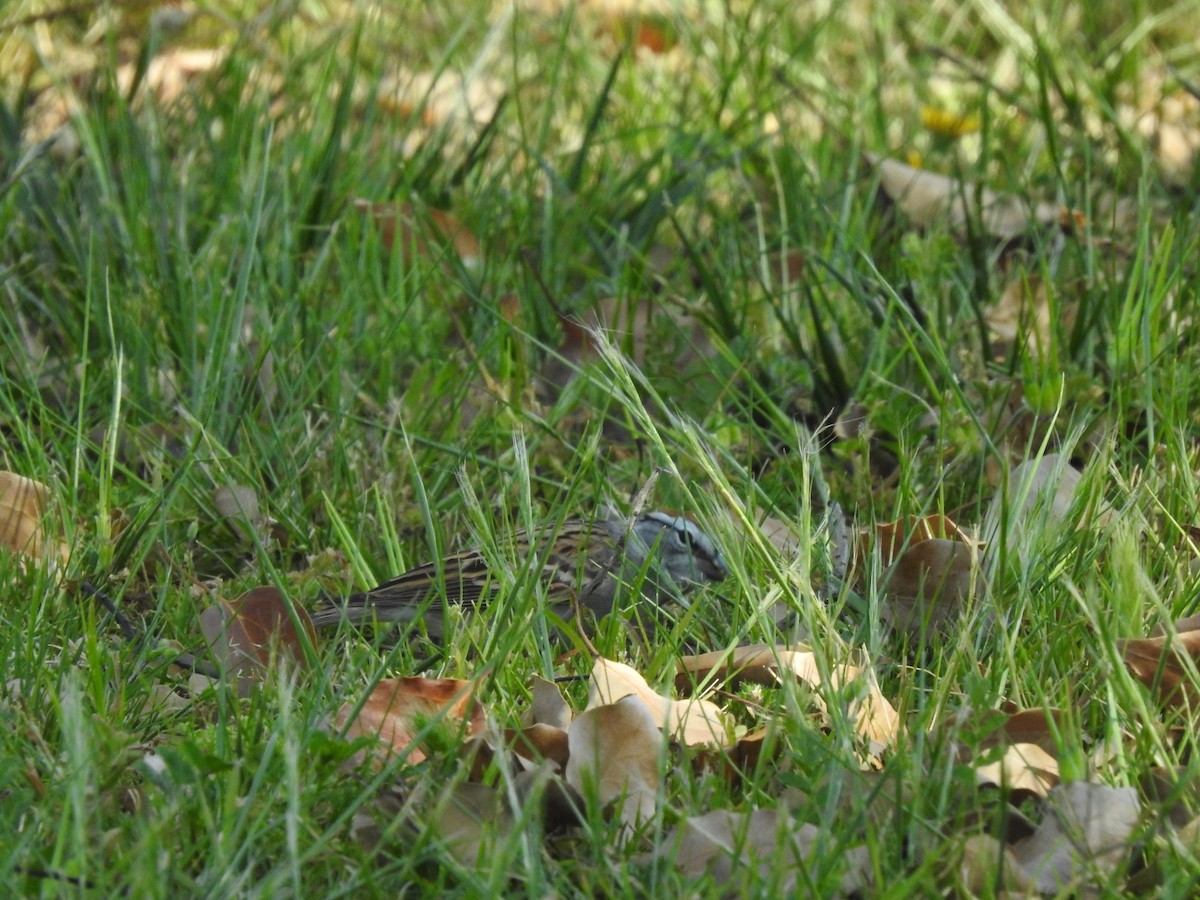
column 415, row 593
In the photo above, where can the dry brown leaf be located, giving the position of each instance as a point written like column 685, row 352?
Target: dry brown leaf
column 1022, row 316
column 987, row 866
column 243, row 636
column 1164, row 664
column 22, row 507
column 398, row 710
column 717, row 843
column 874, row 717
column 1084, row 837
column 540, row 742
column 929, row 586
column 239, row 505
column 549, row 707
column 930, row 199
column 1028, row 726
column 445, row 98
column 932, row 570
column 467, row 817
column 615, row 753
column 422, row 232
column 694, row 722
column 1035, row 505
column 171, row 72
column 1024, row 768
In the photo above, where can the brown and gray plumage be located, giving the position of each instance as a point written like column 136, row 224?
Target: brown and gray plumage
column 585, row 563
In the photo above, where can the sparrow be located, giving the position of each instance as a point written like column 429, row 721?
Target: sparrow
column 587, row 564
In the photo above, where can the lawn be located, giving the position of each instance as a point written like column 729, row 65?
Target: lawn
column 889, row 300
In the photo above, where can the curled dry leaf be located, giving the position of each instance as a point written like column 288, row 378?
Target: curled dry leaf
column 399, row 710
column 445, row 98
column 549, row 707
column 615, row 753
column 875, row 719
column 244, row 635
column 469, row 816
column 22, row 507
column 238, row 504
column 931, row 570
column 541, row 742
column 1034, row 506
column 1027, row 726
column 1024, row 769
column 1084, row 837
column 718, row 842
column 694, row 722
column 1165, row 664
column 988, row 866
column 931, row 199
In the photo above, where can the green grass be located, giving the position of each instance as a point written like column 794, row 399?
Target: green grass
column 194, row 302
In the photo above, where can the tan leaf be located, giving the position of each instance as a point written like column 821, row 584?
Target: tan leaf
column 470, row 817
column 691, row 721
column 1023, row 767
column 1022, row 315
column 467, row 817
column 399, row 710
column 718, row 842
column 987, row 866
column 932, row 570
column 874, row 717
column 548, row 706
column 615, row 752
column 239, row 505
column 1028, row 726
column 541, row 742
column 929, row 586
column 930, row 199
column 244, row 635
column 443, row 98
column 1086, row 832
column 1165, row 665
column 22, row 507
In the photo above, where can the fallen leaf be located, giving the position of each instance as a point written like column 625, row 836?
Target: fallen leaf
column 1166, row 664
column 615, row 753
column 713, row 845
column 238, row 504
column 874, row 717
column 245, row 635
column 399, row 710
column 1084, row 837
column 467, row 817
column 548, row 706
column 694, row 722
column 930, row 199
column 929, row 586
column 470, row 817
column 1034, row 507
column 987, row 867
column 1023, row 769
column 22, row 508
column 443, row 98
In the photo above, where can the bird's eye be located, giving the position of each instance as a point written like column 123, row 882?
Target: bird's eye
column 683, row 537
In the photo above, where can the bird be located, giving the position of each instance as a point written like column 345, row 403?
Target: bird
column 586, row 564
